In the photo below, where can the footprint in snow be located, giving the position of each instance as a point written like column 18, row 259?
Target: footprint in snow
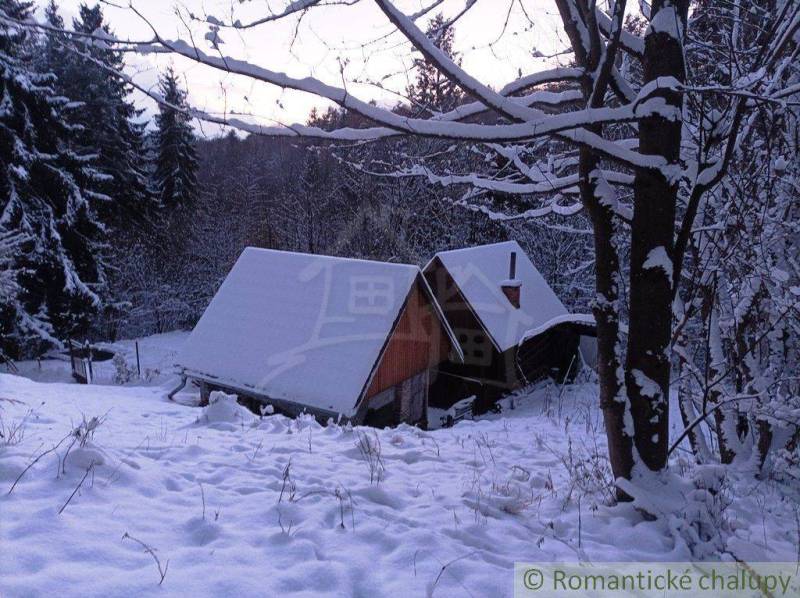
column 247, row 490
column 171, row 485
column 202, row 531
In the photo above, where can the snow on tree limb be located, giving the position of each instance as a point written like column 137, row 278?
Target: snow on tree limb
column 629, row 42
column 446, row 65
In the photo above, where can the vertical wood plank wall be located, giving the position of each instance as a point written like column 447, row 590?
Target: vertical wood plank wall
column 418, row 343
column 452, row 302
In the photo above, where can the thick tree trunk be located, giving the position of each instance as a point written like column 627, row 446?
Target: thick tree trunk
column 606, row 308
column 600, row 202
column 647, row 371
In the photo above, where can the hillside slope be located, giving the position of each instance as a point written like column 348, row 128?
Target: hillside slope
column 248, row 506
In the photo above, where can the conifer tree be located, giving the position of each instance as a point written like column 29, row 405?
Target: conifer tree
column 53, row 272
column 52, row 56
column 433, row 91
column 108, row 116
column 176, row 163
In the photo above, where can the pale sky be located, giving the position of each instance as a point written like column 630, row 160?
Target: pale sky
column 328, row 37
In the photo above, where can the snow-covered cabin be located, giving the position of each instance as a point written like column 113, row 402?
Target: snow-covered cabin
column 511, row 326
column 339, row 338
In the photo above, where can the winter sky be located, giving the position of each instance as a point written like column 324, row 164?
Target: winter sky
column 358, row 38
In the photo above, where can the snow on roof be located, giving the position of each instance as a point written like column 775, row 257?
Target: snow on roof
column 299, row 327
column 480, row 272
column 581, row 320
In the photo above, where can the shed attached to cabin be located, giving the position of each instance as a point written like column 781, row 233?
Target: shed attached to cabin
column 511, row 326
column 339, row 338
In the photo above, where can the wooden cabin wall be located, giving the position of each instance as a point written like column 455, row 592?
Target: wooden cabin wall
column 479, row 351
column 254, row 402
column 491, row 374
column 418, row 343
column 484, row 371
column 453, row 304
column 553, row 354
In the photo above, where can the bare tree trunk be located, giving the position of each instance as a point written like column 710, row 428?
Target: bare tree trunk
column 613, row 401
column 647, row 371
column 600, row 202
column 724, row 417
column 764, row 429
column 700, row 449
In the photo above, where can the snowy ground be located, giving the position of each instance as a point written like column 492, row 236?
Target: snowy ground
column 156, row 358
column 242, row 506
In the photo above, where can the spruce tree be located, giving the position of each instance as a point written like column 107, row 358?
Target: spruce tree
column 108, row 117
column 53, row 272
column 176, row 164
column 433, row 91
column 52, row 57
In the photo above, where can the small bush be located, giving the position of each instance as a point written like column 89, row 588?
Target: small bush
column 123, row 373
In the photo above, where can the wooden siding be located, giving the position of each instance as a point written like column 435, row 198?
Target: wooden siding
column 553, row 353
column 486, row 373
column 418, row 342
column 481, row 358
column 483, row 372
column 455, row 307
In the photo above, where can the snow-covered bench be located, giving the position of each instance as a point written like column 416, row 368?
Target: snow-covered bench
column 458, row 411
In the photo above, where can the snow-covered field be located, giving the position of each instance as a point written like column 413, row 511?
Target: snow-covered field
column 232, row 504
column 156, row 358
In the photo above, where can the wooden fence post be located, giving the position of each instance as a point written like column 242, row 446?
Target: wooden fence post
column 71, row 355
column 89, row 356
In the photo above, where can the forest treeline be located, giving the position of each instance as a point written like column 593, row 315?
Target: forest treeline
column 115, row 226
column 81, row 174
column 655, row 183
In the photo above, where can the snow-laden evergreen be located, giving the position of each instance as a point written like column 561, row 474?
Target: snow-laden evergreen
column 111, row 123
column 176, row 163
column 53, row 272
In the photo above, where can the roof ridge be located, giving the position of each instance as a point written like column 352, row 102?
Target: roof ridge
column 324, row 256
column 484, row 246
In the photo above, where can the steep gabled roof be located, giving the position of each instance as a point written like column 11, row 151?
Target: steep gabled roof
column 479, row 273
column 299, row 327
